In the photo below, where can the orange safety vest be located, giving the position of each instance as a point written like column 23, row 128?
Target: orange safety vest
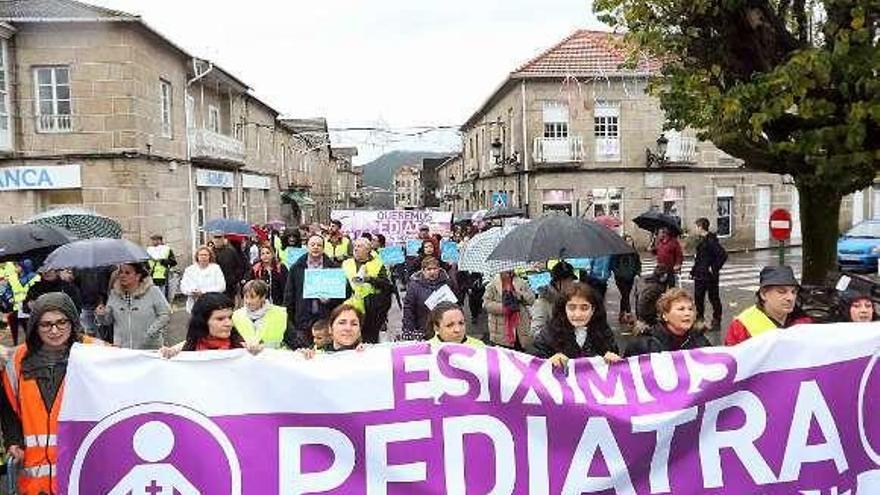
column 39, row 427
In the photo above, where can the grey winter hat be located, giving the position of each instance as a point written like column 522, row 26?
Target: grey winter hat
column 53, row 301
column 772, row 276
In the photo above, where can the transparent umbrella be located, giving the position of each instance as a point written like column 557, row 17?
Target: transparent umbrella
column 476, row 251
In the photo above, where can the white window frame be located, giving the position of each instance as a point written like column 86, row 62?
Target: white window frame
column 608, row 199
column 719, row 216
column 5, row 110
column 556, row 118
column 201, row 207
column 54, row 122
column 674, row 197
column 244, row 204
column 166, row 95
column 224, row 203
column 214, row 123
column 606, row 130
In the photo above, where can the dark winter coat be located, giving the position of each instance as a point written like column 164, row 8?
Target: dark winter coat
column 300, row 316
column 709, row 259
column 626, row 266
column 232, row 265
column 600, row 341
column 415, row 313
column 275, row 278
column 94, row 286
column 659, row 339
column 648, row 291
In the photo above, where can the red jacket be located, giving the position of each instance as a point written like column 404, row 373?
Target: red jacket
column 669, row 253
column 737, row 333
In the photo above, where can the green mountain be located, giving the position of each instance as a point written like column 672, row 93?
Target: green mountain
column 380, row 172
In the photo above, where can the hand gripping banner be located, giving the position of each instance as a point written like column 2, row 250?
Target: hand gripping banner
column 792, row 412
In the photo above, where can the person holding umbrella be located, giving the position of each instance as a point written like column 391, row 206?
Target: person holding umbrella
column 579, row 328
column 507, row 301
column 231, row 264
column 668, row 251
column 136, row 309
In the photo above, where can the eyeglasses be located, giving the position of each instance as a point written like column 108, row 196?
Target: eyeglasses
column 62, row 324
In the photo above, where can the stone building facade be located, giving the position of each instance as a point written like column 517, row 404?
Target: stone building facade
column 571, row 131
column 119, row 120
column 408, row 187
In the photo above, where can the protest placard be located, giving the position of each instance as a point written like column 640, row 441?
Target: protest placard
column 392, row 255
column 413, row 246
column 442, row 294
column 449, row 252
column 539, row 280
column 294, row 254
column 396, row 225
column 324, row 283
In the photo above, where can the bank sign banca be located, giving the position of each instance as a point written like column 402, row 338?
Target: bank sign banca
column 40, row 177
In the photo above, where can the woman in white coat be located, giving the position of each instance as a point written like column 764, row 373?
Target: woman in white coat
column 201, row 277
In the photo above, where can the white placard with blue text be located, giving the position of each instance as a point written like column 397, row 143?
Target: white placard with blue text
column 40, row 177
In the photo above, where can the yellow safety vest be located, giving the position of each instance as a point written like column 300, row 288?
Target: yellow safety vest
column 158, row 271
column 19, row 291
column 271, row 331
column 756, row 321
column 337, row 251
column 467, row 341
column 361, row 291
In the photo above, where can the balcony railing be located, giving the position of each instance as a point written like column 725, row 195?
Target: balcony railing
column 558, row 150
column 54, row 123
column 300, row 180
column 681, row 149
column 209, row 146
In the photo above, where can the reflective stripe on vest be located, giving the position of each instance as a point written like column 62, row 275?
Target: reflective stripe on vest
column 47, row 440
column 337, row 251
column 159, row 270
column 38, row 426
column 271, row 331
column 40, row 471
column 361, row 291
column 756, row 321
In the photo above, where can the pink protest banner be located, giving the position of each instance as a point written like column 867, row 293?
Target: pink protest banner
column 792, row 412
column 396, row 225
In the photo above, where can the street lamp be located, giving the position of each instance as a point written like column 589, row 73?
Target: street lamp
column 496, row 150
column 658, row 159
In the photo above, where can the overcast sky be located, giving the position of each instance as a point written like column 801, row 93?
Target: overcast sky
column 382, row 63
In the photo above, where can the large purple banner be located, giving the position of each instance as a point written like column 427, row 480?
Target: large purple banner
column 789, row 413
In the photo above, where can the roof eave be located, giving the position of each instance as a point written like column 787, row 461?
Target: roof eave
column 493, row 98
column 69, row 19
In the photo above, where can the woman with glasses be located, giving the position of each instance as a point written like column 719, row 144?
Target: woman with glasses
column 33, row 385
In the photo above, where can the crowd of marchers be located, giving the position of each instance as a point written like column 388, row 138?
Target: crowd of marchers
column 246, row 293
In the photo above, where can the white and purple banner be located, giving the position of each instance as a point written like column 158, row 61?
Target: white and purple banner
column 793, row 412
column 396, row 225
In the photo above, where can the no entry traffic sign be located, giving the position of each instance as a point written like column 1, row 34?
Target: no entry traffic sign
column 780, row 224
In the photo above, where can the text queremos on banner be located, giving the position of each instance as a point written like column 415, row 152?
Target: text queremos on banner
column 794, row 411
column 398, row 226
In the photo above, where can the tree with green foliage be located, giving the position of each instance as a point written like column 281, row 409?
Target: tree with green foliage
column 788, row 86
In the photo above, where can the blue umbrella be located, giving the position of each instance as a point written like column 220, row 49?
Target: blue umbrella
column 94, row 253
column 228, row 226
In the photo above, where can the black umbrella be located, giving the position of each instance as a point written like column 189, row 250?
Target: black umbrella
column 94, row 253
column 654, row 220
column 504, row 212
column 19, row 240
column 559, row 236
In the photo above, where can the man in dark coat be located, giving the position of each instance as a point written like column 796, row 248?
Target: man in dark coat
column 709, row 260
column 51, row 281
column 303, row 313
column 230, row 262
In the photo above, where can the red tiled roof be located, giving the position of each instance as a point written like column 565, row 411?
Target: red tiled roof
column 585, row 53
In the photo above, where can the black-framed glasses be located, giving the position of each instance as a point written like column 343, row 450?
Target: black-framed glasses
column 62, row 324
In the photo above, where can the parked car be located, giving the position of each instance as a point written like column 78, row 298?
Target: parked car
column 859, row 248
